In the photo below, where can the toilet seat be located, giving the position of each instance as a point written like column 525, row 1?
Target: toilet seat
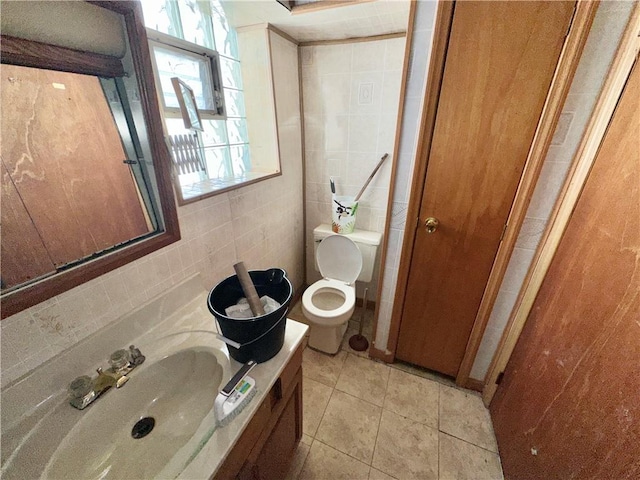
column 339, row 258
column 327, row 316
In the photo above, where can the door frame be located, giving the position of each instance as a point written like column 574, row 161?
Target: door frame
column 567, row 65
column 625, row 58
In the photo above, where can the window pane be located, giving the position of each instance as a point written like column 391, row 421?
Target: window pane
column 215, row 132
column 218, row 162
column 231, row 75
column 195, row 24
column 237, row 129
column 234, row 102
column 162, row 15
column 226, row 39
column 175, row 126
column 240, row 159
column 193, row 69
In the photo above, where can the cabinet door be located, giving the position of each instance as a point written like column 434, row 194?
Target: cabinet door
column 275, row 458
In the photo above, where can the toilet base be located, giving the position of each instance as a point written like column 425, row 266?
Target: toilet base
column 326, row 339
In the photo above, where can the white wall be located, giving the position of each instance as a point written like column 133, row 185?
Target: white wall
column 260, row 224
column 351, row 93
column 414, row 94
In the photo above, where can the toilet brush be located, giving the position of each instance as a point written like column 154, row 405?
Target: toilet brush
column 359, row 342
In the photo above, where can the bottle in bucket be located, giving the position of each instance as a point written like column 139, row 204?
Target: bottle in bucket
column 343, row 214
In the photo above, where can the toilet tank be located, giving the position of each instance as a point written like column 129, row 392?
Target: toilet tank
column 366, row 241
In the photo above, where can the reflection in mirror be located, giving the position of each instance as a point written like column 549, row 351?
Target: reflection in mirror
column 85, row 185
column 192, row 41
column 68, row 188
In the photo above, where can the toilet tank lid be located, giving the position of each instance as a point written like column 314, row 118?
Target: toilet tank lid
column 359, row 236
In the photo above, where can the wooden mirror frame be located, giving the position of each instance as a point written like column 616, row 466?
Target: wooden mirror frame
column 33, row 54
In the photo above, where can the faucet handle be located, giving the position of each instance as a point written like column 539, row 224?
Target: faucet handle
column 80, row 386
column 137, row 358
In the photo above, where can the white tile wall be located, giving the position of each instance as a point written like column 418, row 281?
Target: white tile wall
column 414, row 93
column 261, row 224
column 351, row 93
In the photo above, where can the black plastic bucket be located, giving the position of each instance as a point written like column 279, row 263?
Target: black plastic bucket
column 261, row 338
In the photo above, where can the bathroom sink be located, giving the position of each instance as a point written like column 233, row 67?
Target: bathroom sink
column 177, row 392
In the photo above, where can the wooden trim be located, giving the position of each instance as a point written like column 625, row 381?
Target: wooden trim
column 33, row 294
column 394, row 166
column 324, row 5
column 473, row 384
column 378, row 354
column 371, row 38
column 561, row 215
column 27, row 53
column 442, row 29
column 560, row 85
column 283, row 34
column 181, row 201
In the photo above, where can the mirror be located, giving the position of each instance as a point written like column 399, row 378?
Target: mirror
column 86, row 186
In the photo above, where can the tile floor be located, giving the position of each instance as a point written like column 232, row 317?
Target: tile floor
column 369, row 420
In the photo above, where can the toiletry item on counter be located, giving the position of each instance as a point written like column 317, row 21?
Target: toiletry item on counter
column 235, row 395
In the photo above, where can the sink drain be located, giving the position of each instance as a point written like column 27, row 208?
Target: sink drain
column 143, row 427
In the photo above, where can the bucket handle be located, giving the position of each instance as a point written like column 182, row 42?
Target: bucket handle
column 237, row 345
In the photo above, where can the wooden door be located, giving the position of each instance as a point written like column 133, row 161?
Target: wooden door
column 64, row 156
column 569, row 402
column 500, row 62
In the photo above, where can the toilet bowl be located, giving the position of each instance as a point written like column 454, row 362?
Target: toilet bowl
column 329, row 303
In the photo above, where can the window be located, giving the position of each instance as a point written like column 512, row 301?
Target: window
column 192, row 40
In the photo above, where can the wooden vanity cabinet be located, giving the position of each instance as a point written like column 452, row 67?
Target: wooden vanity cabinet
column 265, row 449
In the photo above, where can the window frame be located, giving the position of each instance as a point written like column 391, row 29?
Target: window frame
column 188, row 49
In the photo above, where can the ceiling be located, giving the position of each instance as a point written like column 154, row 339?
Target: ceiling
column 362, row 19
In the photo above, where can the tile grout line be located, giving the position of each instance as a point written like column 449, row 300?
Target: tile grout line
column 375, row 443
column 469, row 443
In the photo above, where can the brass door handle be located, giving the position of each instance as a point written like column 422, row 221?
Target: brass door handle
column 431, row 224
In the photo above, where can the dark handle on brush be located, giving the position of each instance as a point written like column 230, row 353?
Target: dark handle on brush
column 237, row 378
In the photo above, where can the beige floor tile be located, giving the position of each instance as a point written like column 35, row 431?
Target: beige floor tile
column 315, row 397
column 364, row 378
column 299, row 457
column 378, row 475
column 306, row 439
column 350, row 425
column 413, row 397
column 406, row 449
column 463, row 415
column 326, row 463
column 322, row 367
column 460, row 460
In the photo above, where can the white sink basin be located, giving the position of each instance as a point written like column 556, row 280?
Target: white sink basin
column 177, row 392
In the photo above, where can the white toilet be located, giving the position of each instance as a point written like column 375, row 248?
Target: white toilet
column 329, row 303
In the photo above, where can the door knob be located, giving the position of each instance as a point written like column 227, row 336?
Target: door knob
column 432, row 224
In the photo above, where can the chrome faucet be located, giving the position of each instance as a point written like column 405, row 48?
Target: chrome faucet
column 84, row 390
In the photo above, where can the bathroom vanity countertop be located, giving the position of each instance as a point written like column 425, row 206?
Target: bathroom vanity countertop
column 172, row 322
column 215, row 451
